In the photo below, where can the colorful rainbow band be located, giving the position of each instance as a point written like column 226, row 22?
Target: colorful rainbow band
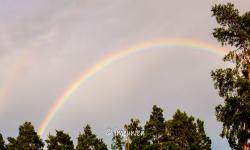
column 111, row 58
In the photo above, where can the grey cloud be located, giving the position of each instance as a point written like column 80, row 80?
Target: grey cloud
column 65, row 37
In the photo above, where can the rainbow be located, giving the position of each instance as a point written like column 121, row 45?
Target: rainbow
column 115, row 56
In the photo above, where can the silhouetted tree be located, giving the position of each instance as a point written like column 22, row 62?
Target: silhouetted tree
column 233, row 82
column 2, row 143
column 26, row 140
column 154, row 129
column 185, row 133
column 118, row 142
column 134, row 135
column 60, row 141
column 88, row 141
column 180, row 133
column 12, row 145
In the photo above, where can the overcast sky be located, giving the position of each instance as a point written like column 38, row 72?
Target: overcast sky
column 45, row 45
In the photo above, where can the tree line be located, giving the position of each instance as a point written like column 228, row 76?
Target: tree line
column 182, row 132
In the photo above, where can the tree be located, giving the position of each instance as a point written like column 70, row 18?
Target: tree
column 27, row 139
column 204, row 142
column 117, row 142
column 154, row 129
column 233, row 82
column 88, row 141
column 61, row 141
column 134, row 133
column 12, row 145
column 184, row 133
column 2, row 143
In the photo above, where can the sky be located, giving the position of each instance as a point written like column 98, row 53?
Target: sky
column 45, row 45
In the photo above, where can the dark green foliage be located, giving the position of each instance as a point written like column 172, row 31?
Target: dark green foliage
column 180, row 133
column 117, row 142
column 2, row 143
column 26, row 140
column 154, row 129
column 185, row 133
column 61, row 141
column 231, row 30
column 88, row 141
column 134, row 133
column 233, row 83
column 12, row 145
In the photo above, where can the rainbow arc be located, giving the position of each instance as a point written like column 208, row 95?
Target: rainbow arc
column 115, row 56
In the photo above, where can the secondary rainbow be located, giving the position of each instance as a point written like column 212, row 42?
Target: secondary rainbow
column 117, row 55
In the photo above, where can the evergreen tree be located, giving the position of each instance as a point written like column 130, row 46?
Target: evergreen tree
column 134, row 133
column 61, row 141
column 233, row 82
column 2, row 143
column 88, row 141
column 180, row 133
column 185, row 133
column 12, row 145
column 26, row 140
column 203, row 142
column 117, row 142
column 100, row 145
column 154, row 129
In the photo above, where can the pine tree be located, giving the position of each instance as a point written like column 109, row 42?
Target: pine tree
column 88, row 141
column 233, row 82
column 154, row 129
column 182, row 132
column 203, row 142
column 60, row 141
column 134, row 133
column 117, row 142
column 185, row 133
column 26, row 140
column 12, row 145
column 2, row 143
